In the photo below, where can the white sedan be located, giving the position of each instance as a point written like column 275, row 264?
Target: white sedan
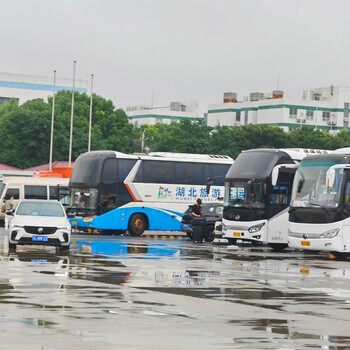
column 39, row 222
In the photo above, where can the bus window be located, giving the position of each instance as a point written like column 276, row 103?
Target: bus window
column 12, row 192
column 156, row 172
column 35, row 192
column 347, row 190
column 189, row 173
column 279, row 194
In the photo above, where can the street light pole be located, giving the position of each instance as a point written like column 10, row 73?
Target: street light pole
column 71, row 119
column 90, row 121
column 52, row 119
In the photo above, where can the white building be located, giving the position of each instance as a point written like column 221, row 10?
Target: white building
column 28, row 87
column 320, row 108
column 193, row 110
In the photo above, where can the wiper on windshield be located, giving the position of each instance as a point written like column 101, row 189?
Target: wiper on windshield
column 319, row 206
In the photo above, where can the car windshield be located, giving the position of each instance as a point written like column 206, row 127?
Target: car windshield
column 40, row 209
column 310, row 188
column 245, row 193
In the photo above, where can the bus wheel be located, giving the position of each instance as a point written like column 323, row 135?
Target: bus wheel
column 278, row 246
column 208, row 233
column 137, row 224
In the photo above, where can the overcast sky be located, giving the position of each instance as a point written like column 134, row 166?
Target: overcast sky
column 139, row 50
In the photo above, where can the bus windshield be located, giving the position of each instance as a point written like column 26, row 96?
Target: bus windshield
column 245, row 193
column 310, row 188
column 85, row 198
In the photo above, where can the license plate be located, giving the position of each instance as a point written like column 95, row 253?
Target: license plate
column 40, row 239
column 305, row 243
column 236, row 234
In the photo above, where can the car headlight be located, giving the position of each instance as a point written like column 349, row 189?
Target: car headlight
column 17, row 226
column 255, row 228
column 330, row 233
column 67, row 227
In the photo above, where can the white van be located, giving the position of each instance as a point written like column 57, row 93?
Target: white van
column 30, row 188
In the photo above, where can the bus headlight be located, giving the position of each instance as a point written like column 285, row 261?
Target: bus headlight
column 329, row 234
column 255, row 228
column 88, row 219
column 224, row 227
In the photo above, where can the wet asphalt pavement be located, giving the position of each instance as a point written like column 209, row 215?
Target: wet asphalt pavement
column 113, row 292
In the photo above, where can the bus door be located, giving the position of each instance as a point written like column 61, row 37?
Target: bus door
column 62, row 194
column 280, row 193
column 346, row 212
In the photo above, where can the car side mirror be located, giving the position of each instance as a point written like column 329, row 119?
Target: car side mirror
column 9, row 212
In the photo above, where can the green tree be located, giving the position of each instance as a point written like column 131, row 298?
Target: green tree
column 25, row 130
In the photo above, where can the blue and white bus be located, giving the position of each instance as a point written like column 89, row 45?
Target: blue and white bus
column 118, row 192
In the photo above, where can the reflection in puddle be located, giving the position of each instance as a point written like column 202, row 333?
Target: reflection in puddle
column 283, row 329
column 109, row 284
column 28, row 321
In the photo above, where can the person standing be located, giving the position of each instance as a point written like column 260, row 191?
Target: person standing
column 9, row 205
column 198, row 222
column 197, row 209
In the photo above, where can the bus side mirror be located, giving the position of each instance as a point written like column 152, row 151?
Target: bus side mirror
column 300, row 185
column 210, row 181
column 274, row 175
column 208, row 188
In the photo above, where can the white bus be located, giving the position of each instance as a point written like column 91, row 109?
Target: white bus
column 29, row 188
column 257, row 195
column 118, row 192
column 319, row 215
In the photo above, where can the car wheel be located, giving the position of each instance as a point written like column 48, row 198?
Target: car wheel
column 208, row 233
column 137, row 224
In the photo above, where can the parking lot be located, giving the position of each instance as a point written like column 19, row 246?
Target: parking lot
column 175, row 293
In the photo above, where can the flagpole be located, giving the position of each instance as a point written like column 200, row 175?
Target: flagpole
column 52, row 118
column 71, row 120
column 90, row 122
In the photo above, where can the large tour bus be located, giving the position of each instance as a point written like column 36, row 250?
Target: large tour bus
column 319, row 214
column 257, row 195
column 31, row 188
column 119, row 192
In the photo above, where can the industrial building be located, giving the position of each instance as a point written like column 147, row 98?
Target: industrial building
column 175, row 111
column 29, row 87
column 320, row 108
